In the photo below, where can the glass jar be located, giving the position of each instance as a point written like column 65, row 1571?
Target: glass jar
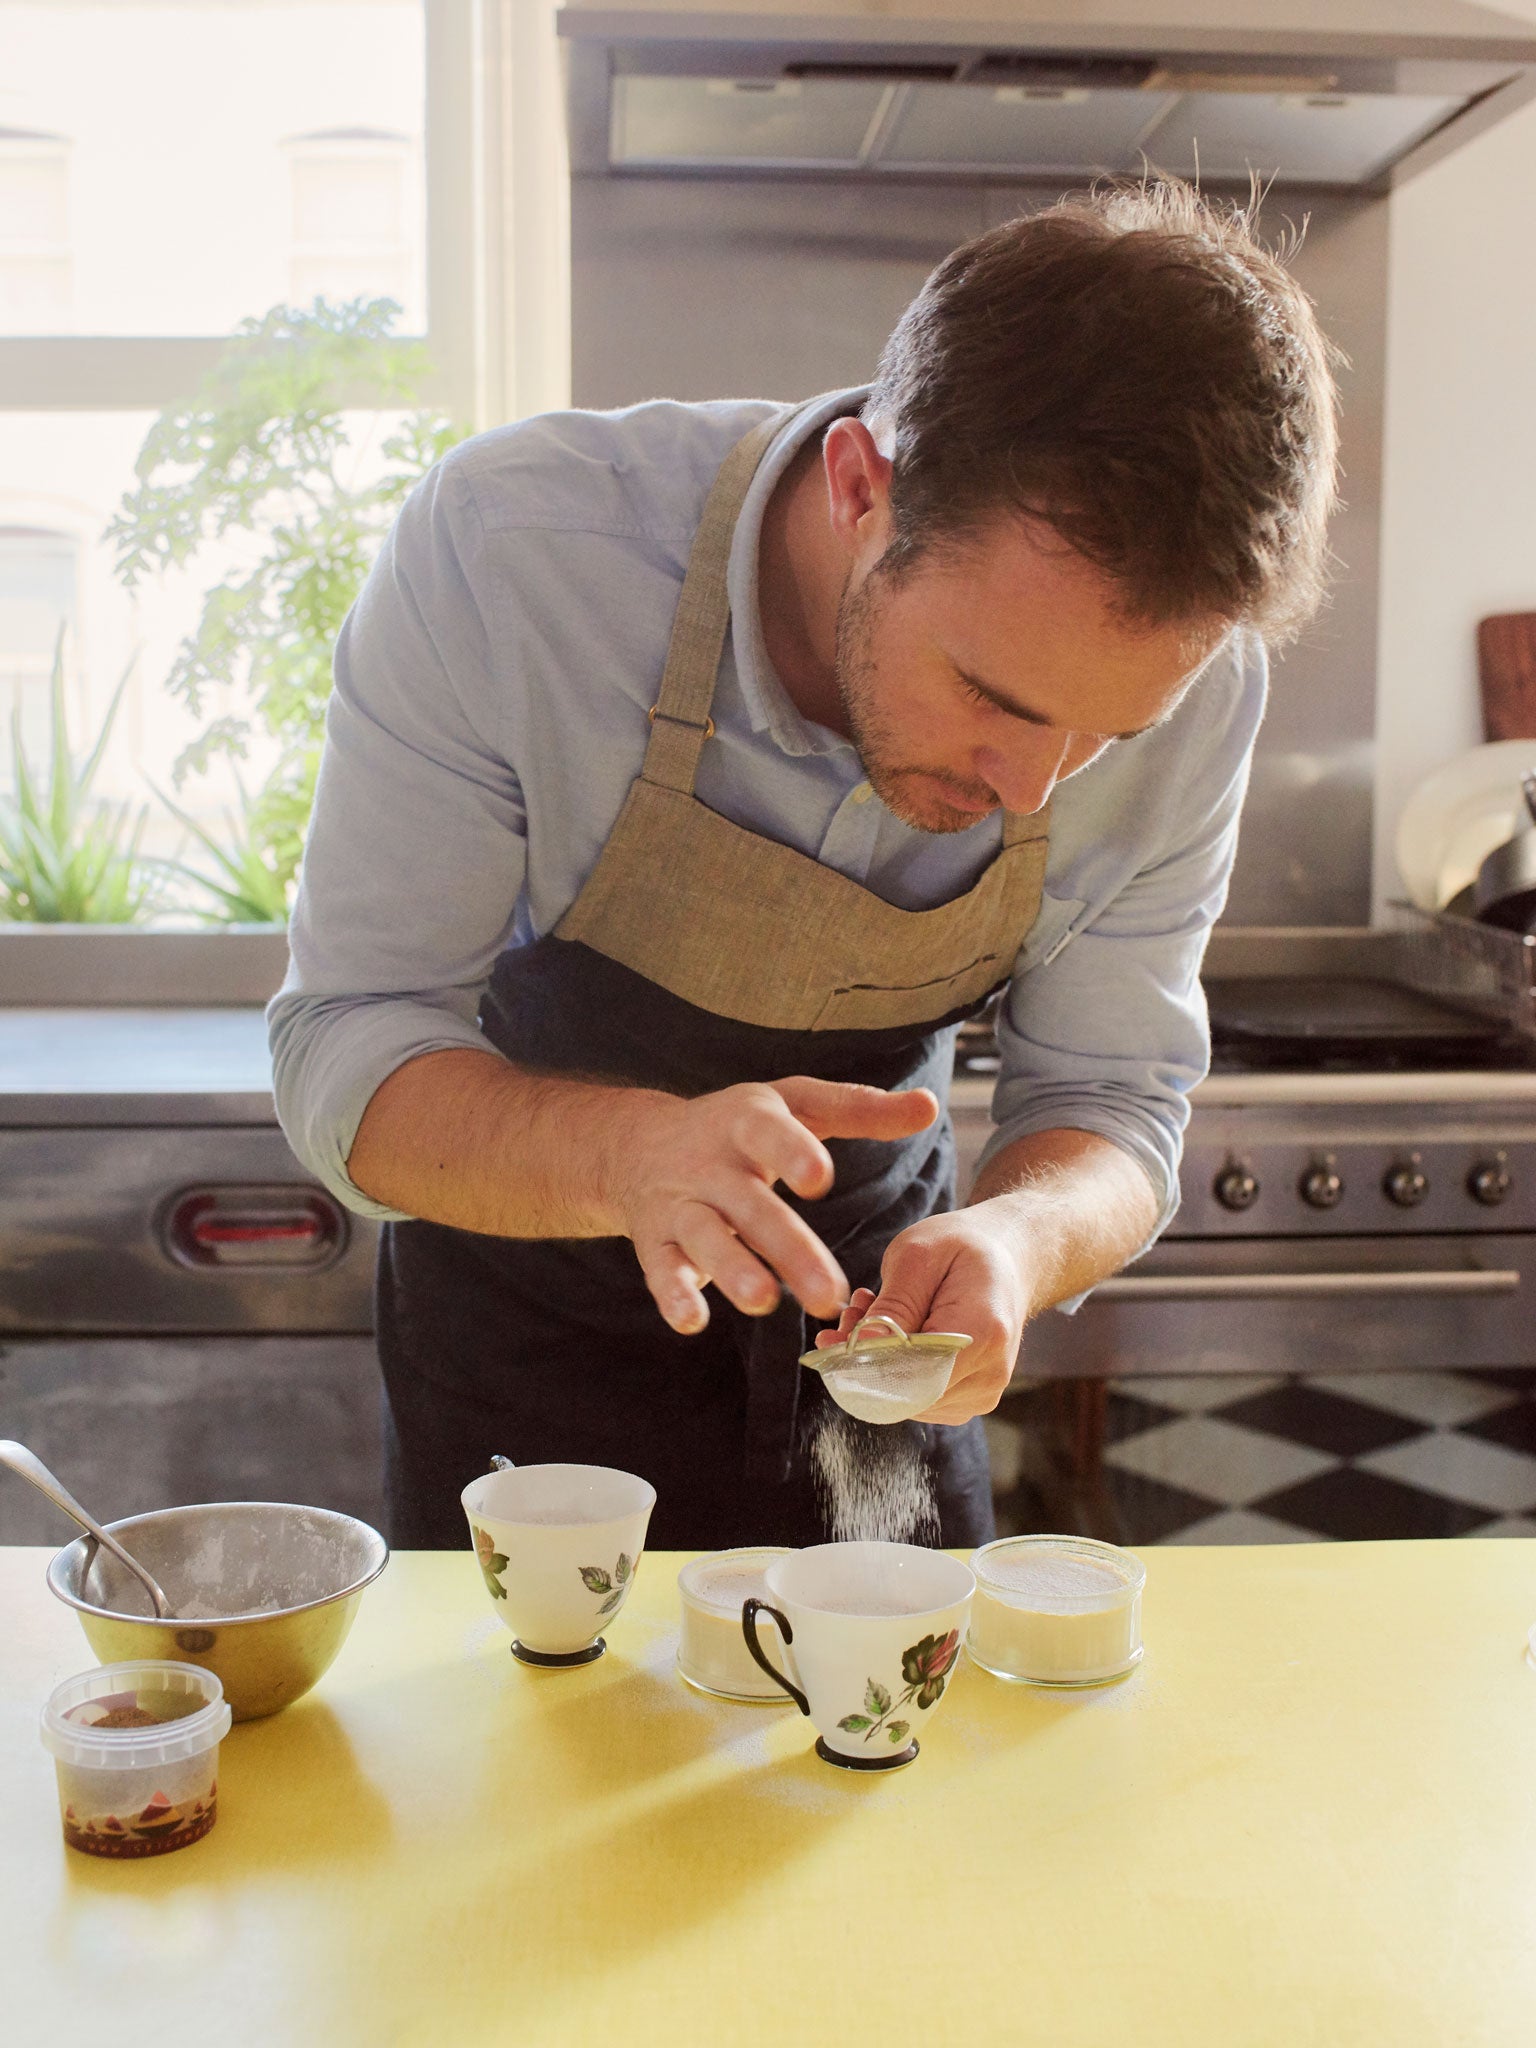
column 1056, row 1610
column 712, row 1653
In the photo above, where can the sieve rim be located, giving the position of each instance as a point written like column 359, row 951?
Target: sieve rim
column 926, row 1343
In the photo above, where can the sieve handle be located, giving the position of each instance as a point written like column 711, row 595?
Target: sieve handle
column 902, row 1336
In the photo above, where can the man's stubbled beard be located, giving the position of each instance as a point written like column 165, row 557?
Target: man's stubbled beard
column 910, row 791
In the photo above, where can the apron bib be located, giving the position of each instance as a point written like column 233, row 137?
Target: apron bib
column 697, row 955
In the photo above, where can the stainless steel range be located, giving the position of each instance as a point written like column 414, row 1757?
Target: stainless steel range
column 184, row 1315
column 1350, row 1201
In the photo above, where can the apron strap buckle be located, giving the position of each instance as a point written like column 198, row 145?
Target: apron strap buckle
column 707, row 728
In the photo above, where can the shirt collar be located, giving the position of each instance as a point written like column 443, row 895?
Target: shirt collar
column 767, row 701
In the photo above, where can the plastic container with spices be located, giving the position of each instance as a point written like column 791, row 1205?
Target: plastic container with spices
column 1056, row 1610
column 712, row 1653
column 136, row 1746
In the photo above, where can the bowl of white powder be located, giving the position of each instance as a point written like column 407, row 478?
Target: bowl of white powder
column 1056, row 1610
column 262, row 1593
column 881, row 1373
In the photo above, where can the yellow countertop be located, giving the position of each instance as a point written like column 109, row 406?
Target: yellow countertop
column 1308, row 1820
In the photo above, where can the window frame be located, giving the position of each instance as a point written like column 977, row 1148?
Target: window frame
column 26, row 672
column 370, row 149
column 39, row 146
column 498, row 297
column 136, row 373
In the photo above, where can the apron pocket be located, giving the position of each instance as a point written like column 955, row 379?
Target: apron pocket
column 870, row 1008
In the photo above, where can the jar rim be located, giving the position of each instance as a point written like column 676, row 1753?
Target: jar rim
column 1130, row 1574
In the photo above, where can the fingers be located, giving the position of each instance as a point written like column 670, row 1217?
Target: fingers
column 702, row 1209
column 846, row 1109
column 745, row 1254
column 781, row 1148
column 789, row 1245
column 676, row 1286
column 981, row 1375
column 718, row 1254
column 854, row 1313
column 905, row 1302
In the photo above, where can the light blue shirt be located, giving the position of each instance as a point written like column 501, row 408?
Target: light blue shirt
column 489, row 716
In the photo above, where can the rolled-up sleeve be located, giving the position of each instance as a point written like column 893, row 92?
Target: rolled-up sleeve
column 417, row 848
column 1108, row 1032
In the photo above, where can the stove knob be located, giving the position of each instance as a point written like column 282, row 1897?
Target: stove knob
column 1236, row 1186
column 1489, row 1182
column 1321, row 1187
column 1406, row 1184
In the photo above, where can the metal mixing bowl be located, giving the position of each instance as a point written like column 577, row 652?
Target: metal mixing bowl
column 263, row 1593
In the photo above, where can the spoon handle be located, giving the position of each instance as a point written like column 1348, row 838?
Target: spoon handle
column 29, row 1466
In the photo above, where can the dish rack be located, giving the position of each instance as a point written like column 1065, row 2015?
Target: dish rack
column 1475, row 966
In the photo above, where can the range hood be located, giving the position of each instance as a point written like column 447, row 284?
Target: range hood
column 1350, row 95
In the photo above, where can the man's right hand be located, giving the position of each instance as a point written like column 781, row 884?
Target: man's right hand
column 691, row 1182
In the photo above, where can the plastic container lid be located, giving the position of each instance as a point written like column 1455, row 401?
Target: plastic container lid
column 119, row 1749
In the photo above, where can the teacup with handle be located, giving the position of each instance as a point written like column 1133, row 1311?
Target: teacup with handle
column 870, row 1634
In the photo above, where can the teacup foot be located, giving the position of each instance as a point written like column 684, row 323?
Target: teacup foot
column 557, row 1660
column 866, row 1763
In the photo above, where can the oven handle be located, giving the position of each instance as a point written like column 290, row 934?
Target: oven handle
column 1258, row 1286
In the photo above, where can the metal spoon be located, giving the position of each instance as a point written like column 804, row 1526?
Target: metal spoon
column 23, row 1461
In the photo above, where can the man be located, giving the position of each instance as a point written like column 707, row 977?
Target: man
column 639, row 912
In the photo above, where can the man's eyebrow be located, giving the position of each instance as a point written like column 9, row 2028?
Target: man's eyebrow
column 1014, row 709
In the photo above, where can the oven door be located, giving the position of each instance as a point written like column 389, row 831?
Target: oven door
column 184, row 1316
column 1302, row 1305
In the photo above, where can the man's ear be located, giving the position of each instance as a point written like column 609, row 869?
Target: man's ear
column 858, row 483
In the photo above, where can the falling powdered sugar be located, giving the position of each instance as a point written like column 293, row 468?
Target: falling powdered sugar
column 873, row 1483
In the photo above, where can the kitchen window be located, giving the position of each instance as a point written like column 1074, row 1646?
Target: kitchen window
column 172, row 168
column 38, row 579
column 356, row 231
column 36, row 277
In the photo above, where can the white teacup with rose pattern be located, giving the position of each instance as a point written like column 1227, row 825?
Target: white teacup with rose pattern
column 558, row 1547
column 869, row 1636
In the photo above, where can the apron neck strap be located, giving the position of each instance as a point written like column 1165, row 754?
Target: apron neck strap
column 680, row 720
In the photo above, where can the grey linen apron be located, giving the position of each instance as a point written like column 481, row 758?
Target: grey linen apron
column 697, row 955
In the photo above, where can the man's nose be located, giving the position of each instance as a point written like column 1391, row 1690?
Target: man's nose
column 1024, row 776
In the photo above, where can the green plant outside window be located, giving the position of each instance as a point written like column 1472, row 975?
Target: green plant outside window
column 260, row 449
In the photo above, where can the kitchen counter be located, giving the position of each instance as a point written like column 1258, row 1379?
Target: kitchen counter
column 1308, row 1818
column 143, row 1066
column 134, row 1066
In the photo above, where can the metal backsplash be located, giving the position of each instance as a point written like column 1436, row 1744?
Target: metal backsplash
column 730, row 287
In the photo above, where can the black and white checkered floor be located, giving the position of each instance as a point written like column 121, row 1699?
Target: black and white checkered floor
column 1207, row 1460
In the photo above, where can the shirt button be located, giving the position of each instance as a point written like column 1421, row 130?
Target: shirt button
column 863, row 793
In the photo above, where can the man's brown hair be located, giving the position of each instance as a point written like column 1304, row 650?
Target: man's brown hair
column 1131, row 368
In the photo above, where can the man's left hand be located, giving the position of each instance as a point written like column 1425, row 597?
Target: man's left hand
column 957, row 1272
